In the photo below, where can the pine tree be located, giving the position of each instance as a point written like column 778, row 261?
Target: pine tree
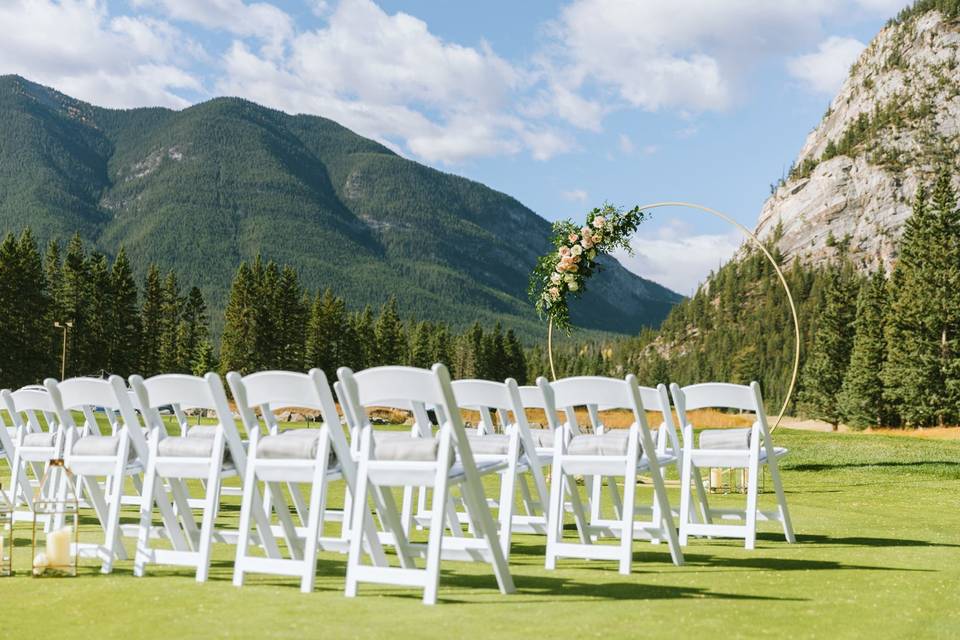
column 124, row 319
column 205, row 360
column 516, row 361
column 238, row 345
column 170, row 316
column 829, row 358
column 53, row 269
column 98, row 336
column 861, row 398
column 10, row 356
column 76, row 295
column 922, row 332
column 421, row 351
column 365, row 336
column 193, row 333
column 389, row 333
column 494, row 355
column 290, row 321
column 266, row 338
column 151, row 321
column 441, row 347
column 35, row 312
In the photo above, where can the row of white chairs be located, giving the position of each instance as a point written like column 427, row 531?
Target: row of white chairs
column 286, row 474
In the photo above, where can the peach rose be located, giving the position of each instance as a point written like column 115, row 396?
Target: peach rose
column 573, row 238
column 554, row 292
column 564, row 250
column 599, row 221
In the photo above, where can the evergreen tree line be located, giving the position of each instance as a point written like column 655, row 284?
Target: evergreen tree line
column 98, row 302
column 271, row 322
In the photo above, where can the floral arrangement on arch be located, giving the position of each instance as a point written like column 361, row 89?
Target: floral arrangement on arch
column 574, row 259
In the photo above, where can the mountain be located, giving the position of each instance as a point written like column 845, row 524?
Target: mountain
column 201, row 189
column 892, row 126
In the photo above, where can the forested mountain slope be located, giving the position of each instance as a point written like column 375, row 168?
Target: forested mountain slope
column 200, row 190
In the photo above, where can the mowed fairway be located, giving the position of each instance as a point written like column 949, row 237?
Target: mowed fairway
column 878, row 555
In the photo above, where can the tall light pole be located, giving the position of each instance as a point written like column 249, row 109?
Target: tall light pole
column 63, row 358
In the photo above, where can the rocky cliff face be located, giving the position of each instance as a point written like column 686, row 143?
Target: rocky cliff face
column 894, row 123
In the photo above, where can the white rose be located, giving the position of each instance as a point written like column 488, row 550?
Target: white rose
column 555, row 277
column 577, row 250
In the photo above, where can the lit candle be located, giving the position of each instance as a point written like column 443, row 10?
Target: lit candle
column 58, row 547
column 716, row 478
column 39, row 563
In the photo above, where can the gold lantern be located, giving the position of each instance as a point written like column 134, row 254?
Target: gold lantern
column 56, row 521
column 6, row 534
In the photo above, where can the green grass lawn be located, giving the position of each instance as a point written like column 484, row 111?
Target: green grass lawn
column 878, row 554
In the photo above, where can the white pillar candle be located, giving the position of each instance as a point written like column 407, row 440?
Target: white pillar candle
column 58, row 547
column 716, row 478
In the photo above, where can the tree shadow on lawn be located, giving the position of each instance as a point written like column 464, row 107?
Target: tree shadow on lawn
column 568, row 590
column 919, row 464
column 857, row 541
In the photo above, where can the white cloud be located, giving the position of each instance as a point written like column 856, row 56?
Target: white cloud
column 74, row 46
column 687, row 54
column 824, row 70
column 650, row 149
column 574, row 195
column 677, row 258
column 259, row 19
column 625, row 143
column 388, row 77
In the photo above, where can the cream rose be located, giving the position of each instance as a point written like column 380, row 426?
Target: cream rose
column 599, row 221
column 577, row 250
column 573, row 286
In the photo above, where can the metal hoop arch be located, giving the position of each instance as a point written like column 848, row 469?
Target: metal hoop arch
column 783, row 281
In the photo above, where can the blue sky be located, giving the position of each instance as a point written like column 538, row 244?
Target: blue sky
column 562, row 104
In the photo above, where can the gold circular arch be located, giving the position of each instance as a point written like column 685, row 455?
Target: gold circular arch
column 783, row 281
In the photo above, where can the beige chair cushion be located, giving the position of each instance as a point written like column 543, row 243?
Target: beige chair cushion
column 202, row 431
column 725, row 438
column 42, row 439
column 96, row 446
column 389, row 445
column 296, row 443
column 611, row 443
column 491, row 445
column 187, row 447
column 542, row 438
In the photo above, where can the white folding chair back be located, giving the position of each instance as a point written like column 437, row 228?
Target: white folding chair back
column 516, row 447
column 91, row 455
column 38, row 439
column 604, row 453
column 202, row 453
column 440, row 463
column 297, row 457
column 751, row 448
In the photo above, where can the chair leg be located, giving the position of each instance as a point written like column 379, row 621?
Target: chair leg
column 555, row 512
column 629, row 494
column 211, row 503
column 358, row 510
column 435, row 539
column 704, row 505
column 781, row 500
column 112, row 541
column 685, row 478
column 146, row 511
column 315, row 515
column 751, row 515
column 246, row 505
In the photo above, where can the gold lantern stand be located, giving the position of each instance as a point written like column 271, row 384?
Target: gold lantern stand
column 776, row 267
column 56, row 523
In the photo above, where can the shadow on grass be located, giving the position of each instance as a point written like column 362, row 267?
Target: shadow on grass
column 560, row 589
column 919, row 464
column 859, row 541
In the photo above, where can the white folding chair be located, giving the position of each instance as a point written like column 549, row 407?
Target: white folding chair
column 91, row 455
column 516, row 448
column 668, row 448
column 313, row 457
column 614, row 453
column 206, row 453
column 751, row 448
column 36, row 443
column 440, row 463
